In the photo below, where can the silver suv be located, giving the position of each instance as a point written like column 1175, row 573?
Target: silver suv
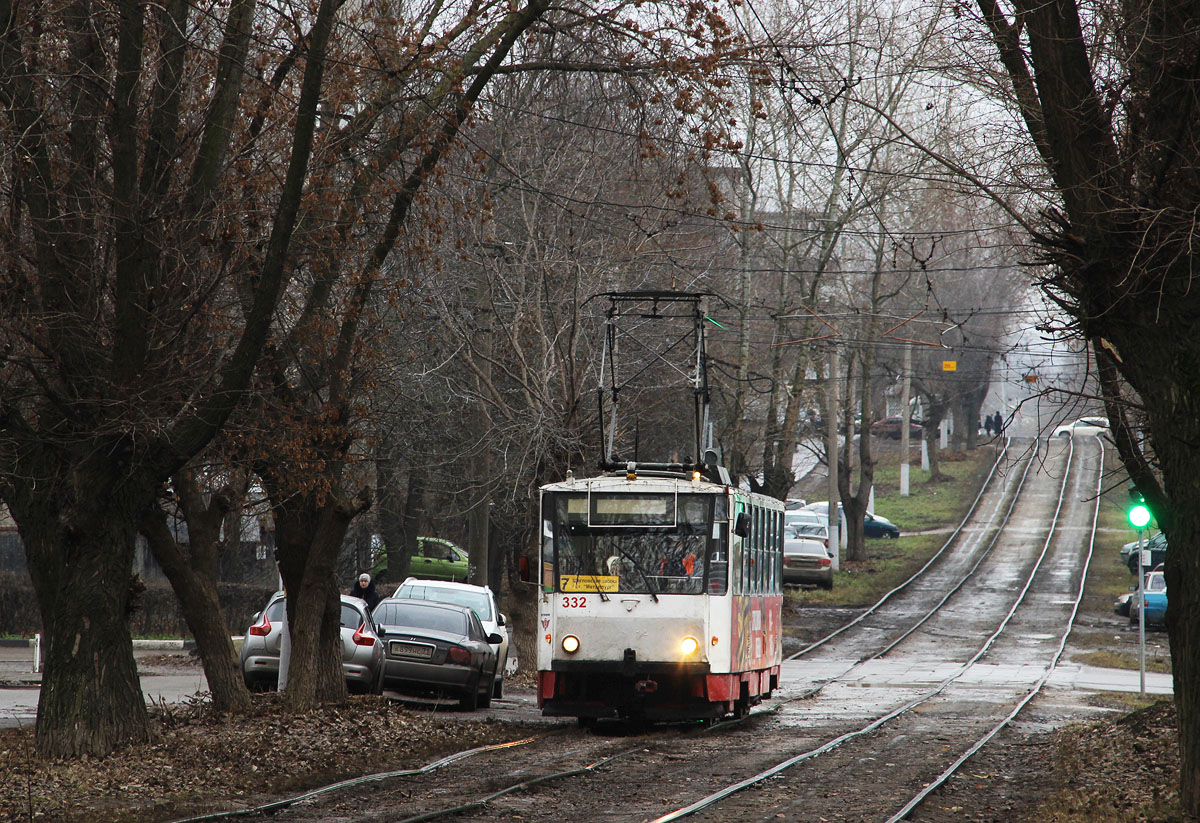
column 362, row 650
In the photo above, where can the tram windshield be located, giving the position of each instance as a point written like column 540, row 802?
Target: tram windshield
column 635, row 542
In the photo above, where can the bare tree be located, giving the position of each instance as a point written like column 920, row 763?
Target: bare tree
column 128, row 335
column 1110, row 109
column 169, row 158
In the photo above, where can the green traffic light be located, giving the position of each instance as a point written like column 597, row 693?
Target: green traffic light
column 1139, row 516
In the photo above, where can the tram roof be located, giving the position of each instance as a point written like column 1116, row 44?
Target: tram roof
column 646, row 482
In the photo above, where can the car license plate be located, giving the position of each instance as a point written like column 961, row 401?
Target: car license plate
column 411, row 650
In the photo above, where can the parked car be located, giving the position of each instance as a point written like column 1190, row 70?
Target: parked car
column 802, row 517
column 436, row 559
column 1154, row 600
column 1157, row 546
column 1084, row 425
column 809, row 529
column 480, row 599
column 1155, row 541
column 1121, row 604
column 893, row 427
column 874, row 525
column 437, row 648
column 806, row 557
column 362, row 650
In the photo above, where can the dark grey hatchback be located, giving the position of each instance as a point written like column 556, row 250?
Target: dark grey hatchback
column 437, row 648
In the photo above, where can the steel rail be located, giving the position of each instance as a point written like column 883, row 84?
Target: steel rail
column 277, row 805
column 953, row 768
column 919, row 572
column 740, row 785
column 1012, row 495
column 728, row 791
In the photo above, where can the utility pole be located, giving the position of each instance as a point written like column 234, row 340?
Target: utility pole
column 831, row 451
column 906, row 418
column 480, row 422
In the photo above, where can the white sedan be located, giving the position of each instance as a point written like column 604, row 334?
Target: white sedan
column 1084, row 425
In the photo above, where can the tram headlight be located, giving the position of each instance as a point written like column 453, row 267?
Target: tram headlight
column 570, row 644
column 689, row 646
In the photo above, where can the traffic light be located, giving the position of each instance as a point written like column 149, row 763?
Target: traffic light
column 1139, row 513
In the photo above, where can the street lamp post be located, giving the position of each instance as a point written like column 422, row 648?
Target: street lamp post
column 1139, row 518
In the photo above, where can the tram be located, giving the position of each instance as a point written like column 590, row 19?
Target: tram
column 660, row 595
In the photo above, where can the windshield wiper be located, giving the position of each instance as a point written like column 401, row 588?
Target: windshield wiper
column 642, row 572
column 595, row 578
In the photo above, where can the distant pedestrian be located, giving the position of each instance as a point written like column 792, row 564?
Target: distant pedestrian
column 987, row 425
column 997, row 423
column 364, row 589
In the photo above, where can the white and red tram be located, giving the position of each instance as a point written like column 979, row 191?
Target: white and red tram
column 660, row 597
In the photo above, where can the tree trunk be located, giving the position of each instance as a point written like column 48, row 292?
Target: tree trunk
column 1182, row 572
column 80, row 552
column 202, row 611
column 854, row 504
column 933, row 421
column 1176, row 504
column 309, row 536
column 195, row 584
column 387, row 511
column 411, row 521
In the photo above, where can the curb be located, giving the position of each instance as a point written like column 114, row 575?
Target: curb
column 138, row 645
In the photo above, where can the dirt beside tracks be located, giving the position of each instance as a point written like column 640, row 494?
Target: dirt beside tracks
column 1120, row 768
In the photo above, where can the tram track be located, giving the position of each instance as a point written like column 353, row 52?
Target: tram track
column 960, row 564
column 579, row 776
column 771, row 802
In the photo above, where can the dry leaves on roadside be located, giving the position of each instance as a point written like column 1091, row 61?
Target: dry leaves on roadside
column 199, row 761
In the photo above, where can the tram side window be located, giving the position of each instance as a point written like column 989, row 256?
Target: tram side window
column 548, row 543
column 744, row 553
column 736, row 550
column 756, row 581
column 764, row 571
column 718, row 560
column 769, row 553
column 776, row 554
column 764, row 565
column 754, row 538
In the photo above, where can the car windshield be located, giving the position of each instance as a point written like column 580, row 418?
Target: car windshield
column 809, row 530
column 477, row 601
column 1156, row 583
column 420, row 616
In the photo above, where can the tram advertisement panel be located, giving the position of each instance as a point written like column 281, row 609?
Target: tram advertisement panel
column 757, row 636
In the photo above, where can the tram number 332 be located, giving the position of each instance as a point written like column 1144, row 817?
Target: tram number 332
column 574, row 602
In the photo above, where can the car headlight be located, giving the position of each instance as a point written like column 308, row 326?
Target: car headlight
column 570, row 644
column 689, row 646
